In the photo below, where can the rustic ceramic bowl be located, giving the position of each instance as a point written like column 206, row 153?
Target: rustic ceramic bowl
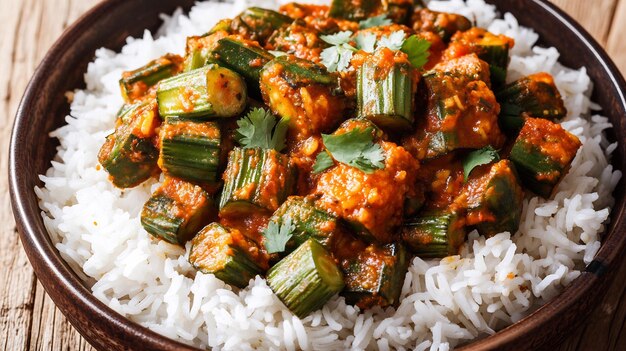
column 44, row 107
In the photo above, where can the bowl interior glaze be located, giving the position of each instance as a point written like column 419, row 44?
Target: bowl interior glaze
column 109, row 23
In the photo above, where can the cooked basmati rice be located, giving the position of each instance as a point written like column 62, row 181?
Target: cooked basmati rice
column 493, row 282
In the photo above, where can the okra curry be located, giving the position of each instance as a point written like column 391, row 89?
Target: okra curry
column 324, row 146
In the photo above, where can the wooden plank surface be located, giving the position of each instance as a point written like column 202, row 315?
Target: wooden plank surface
column 594, row 15
column 616, row 39
column 28, row 318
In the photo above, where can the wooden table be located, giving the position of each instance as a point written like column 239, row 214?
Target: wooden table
column 28, row 317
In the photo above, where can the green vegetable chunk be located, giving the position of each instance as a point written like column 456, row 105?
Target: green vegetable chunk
column 496, row 54
column 198, row 50
column 443, row 24
column 306, row 279
column 372, row 13
column 386, row 97
column 124, row 109
column 419, row 5
column 301, row 72
column 375, row 276
column 129, row 154
column 255, row 179
column 358, row 154
column 353, row 11
column 399, row 11
column 224, row 25
column 176, row 211
column 298, row 39
column 305, row 93
column 307, row 221
column 434, row 234
column 542, row 154
column 492, row 198
column 227, row 254
column 462, row 110
column 414, row 203
column 245, row 58
column 134, row 84
column 190, row 149
column 258, row 24
column 491, row 48
column 533, row 96
column 210, row 91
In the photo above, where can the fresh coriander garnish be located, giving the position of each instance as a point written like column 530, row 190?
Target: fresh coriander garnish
column 337, row 57
column 277, row 235
column 323, row 161
column 392, row 41
column 366, row 42
column 355, row 148
column 337, row 38
column 376, row 21
column 417, row 50
column 479, row 157
column 259, row 128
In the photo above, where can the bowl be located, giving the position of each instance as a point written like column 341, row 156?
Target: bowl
column 109, row 23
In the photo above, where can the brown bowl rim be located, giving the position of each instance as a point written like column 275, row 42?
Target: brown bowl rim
column 47, row 261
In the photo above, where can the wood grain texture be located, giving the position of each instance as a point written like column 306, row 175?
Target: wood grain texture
column 594, row 15
column 50, row 330
column 606, row 22
column 29, row 319
column 17, row 281
column 616, row 42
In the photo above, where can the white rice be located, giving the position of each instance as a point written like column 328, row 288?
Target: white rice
column 493, row 283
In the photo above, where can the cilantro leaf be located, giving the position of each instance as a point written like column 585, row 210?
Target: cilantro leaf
column 479, row 157
column 330, row 58
column 392, row 41
column 323, row 161
column 417, row 50
column 259, row 128
column 371, row 159
column 376, row 21
column 345, row 55
column 337, row 58
column 355, row 148
column 337, row 38
column 366, row 42
column 277, row 235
